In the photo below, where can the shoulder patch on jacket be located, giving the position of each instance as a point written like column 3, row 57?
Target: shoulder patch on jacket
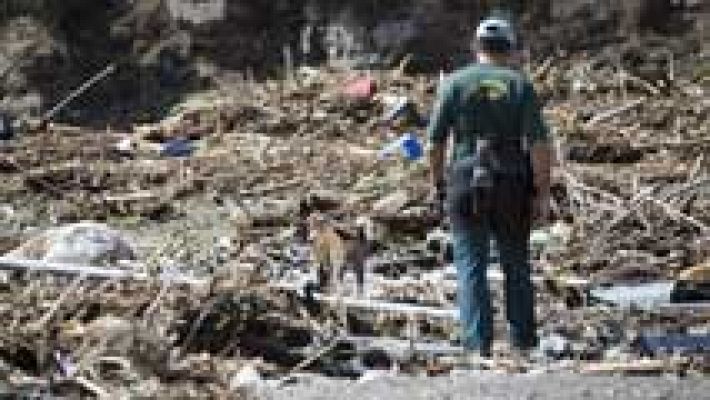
column 493, row 89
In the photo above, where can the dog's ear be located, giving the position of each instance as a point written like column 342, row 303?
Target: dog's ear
column 316, row 221
column 311, row 218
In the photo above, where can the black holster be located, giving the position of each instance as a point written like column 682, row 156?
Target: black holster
column 495, row 181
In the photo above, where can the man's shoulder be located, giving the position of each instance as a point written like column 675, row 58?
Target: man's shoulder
column 464, row 74
column 475, row 72
column 504, row 72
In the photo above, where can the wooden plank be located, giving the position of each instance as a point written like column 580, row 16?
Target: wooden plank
column 137, row 196
column 373, row 305
column 636, row 366
column 608, row 114
column 92, row 272
column 404, row 346
column 438, row 312
column 681, row 307
column 385, row 306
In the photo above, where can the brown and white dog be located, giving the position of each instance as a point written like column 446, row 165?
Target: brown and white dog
column 336, row 250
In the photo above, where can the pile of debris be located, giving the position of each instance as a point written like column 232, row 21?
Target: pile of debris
column 217, row 199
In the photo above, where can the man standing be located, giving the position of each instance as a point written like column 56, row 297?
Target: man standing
column 498, row 182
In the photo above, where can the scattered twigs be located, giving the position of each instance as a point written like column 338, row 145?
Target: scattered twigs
column 609, row 114
column 93, row 388
column 623, row 204
column 206, row 309
column 68, row 292
column 679, row 215
column 651, row 89
column 633, row 208
column 108, row 70
column 310, row 360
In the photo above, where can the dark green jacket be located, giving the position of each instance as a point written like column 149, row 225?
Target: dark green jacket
column 486, row 101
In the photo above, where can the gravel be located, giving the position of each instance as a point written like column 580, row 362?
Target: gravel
column 487, row 385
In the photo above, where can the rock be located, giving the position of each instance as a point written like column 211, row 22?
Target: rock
column 392, row 204
column 555, row 346
column 85, row 243
column 240, row 217
column 247, row 378
column 551, row 238
column 126, row 146
column 371, row 375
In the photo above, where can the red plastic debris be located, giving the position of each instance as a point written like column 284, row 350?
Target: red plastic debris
column 362, row 88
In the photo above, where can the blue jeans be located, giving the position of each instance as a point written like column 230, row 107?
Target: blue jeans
column 471, row 240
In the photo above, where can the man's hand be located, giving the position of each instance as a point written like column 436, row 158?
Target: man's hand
column 541, row 157
column 541, row 208
column 437, row 198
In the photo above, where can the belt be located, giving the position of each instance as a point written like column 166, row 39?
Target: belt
column 502, row 144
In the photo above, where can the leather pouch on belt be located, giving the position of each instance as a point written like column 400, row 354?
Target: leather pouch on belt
column 473, row 182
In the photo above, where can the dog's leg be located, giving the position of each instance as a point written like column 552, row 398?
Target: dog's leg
column 359, row 269
column 338, row 277
column 323, row 278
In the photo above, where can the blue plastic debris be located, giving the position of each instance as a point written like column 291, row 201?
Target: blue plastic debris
column 177, row 148
column 411, row 147
column 408, row 146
